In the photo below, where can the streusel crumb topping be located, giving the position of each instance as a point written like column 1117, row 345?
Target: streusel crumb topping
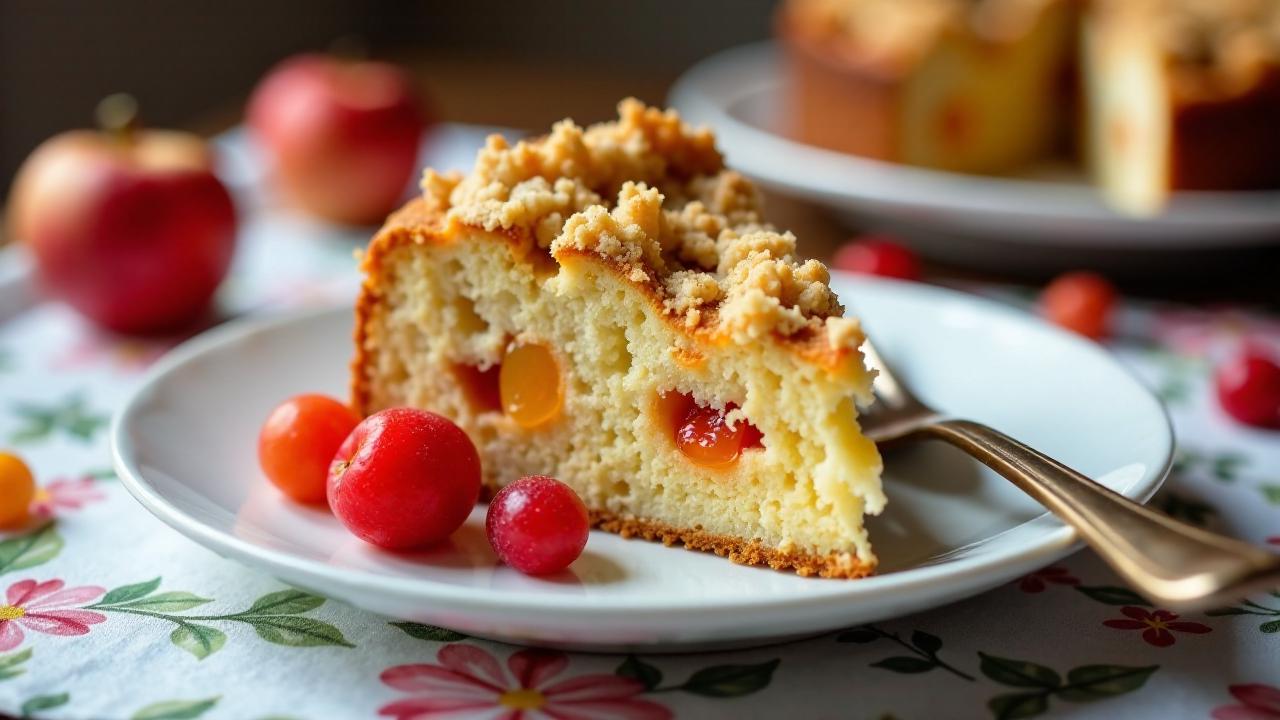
column 652, row 196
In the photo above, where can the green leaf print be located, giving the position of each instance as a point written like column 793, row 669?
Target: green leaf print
column 125, row 593
column 69, row 416
column 1018, row 705
column 275, row 617
column 284, row 602
column 1220, row 612
column 428, row 632
column 11, row 664
column 926, row 642
column 727, row 681
column 176, row 709
column 295, row 631
column 1249, row 607
column 924, row 645
column 199, row 640
column 1271, row 492
column 44, row 702
column 904, row 664
column 25, row 551
column 1086, row 683
column 1113, row 595
column 1018, row 673
column 1226, row 466
column 167, row 602
column 1096, row 682
column 636, row 669
column 1181, row 507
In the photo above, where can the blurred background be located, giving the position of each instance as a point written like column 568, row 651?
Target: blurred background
column 193, row 64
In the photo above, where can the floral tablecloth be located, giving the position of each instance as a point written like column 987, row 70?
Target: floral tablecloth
column 107, row 613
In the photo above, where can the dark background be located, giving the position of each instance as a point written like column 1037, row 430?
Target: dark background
column 192, row 63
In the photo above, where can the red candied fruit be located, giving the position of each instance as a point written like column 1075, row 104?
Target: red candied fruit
column 1249, row 388
column 703, row 434
column 1080, row 301
column 878, row 255
column 537, row 525
column 404, row 478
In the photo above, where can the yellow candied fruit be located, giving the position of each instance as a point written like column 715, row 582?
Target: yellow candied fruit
column 530, row 386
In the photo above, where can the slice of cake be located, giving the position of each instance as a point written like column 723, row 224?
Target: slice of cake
column 1182, row 94
column 979, row 86
column 607, row 306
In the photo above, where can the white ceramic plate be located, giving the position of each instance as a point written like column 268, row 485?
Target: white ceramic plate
column 185, row 446
column 739, row 93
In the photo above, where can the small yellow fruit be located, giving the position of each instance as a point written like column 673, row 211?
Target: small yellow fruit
column 17, row 489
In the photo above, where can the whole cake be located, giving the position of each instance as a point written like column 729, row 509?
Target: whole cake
column 607, row 305
column 1162, row 95
column 1182, row 95
column 962, row 85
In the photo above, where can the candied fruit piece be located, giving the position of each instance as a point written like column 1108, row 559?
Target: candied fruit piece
column 702, row 433
column 480, row 386
column 529, row 385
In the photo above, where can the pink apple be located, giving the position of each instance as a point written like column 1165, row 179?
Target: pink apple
column 131, row 228
column 342, row 135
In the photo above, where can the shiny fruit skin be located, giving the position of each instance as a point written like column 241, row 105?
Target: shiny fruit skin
column 537, row 525
column 878, row 255
column 529, row 385
column 404, row 478
column 704, row 436
column 1082, row 302
column 297, row 443
column 344, row 135
column 134, row 235
column 17, row 490
column 1248, row 386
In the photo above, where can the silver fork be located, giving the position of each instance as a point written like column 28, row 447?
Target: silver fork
column 1171, row 563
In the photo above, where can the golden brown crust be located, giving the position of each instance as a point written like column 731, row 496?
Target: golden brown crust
column 741, row 551
column 829, row 344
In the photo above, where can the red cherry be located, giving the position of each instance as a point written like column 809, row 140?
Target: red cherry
column 1249, row 388
column 537, row 525
column 404, row 478
column 1080, row 301
column 878, row 255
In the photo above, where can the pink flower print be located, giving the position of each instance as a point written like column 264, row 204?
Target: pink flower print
column 1206, row 333
column 1257, row 702
column 1036, row 581
column 1156, row 626
column 45, row 608
column 63, row 495
column 469, row 679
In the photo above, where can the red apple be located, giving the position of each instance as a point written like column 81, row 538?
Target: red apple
column 343, row 135
column 131, row 228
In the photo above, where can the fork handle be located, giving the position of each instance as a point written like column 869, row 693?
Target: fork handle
column 1169, row 562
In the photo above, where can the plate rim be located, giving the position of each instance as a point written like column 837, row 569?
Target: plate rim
column 1057, row 539
column 703, row 94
